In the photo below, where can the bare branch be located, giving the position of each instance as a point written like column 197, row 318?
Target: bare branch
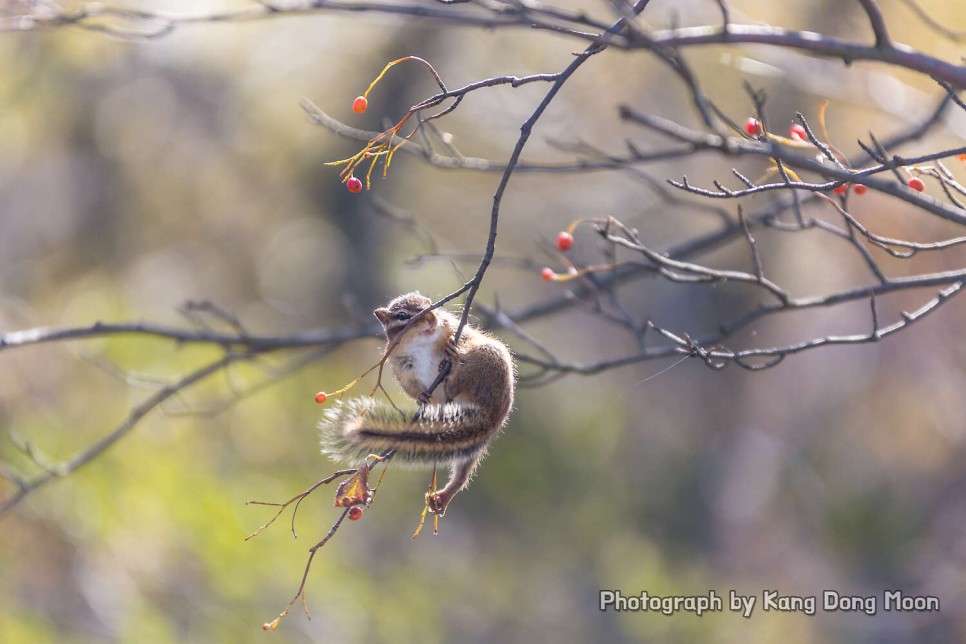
column 877, row 22
column 737, row 146
column 30, row 485
column 811, row 42
column 925, row 16
column 236, row 340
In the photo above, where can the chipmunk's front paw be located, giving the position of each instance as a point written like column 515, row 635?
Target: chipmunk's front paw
column 451, row 350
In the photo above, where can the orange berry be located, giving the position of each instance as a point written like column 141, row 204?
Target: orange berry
column 547, row 275
column 321, row 397
column 355, row 513
column 916, row 184
column 360, row 104
column 752, row 126
column 565, row 241
column 859, row 189
column 796, row 131
column 841, row 190
column 353, row 184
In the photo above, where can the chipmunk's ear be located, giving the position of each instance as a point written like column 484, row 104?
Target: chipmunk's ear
column 382, row 314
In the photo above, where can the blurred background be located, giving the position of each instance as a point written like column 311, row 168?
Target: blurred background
column 137, row 176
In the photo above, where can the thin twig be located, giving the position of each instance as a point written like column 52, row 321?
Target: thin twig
column 134, row 417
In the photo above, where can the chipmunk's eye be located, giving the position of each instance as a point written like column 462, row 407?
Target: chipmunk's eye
column 402, row 315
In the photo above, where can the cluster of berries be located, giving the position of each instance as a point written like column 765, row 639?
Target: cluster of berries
column 798, row 133
column 353, row 183
column 565, row 241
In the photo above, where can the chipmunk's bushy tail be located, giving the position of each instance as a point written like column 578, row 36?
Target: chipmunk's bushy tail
column 355, row 428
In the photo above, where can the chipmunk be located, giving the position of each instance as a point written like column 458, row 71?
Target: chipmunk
column 456, row 423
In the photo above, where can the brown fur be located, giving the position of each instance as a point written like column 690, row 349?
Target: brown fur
column 467, row 410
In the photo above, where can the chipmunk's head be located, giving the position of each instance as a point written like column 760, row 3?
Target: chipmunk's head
column 397, row 314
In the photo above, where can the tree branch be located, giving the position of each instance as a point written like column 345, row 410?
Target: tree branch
column 28, row 486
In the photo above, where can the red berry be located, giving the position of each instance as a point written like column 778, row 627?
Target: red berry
column 752, row 126
column 355, row 513
column 841, row 190
column 547, row 275
column 360, row 104
column 798, row 132
column 565, row 241
column 859, row 189
column 321, row 397
column 916, row 184
column 266, row 626
column 353, row 184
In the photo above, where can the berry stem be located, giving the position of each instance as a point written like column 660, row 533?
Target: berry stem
column 393, row 63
